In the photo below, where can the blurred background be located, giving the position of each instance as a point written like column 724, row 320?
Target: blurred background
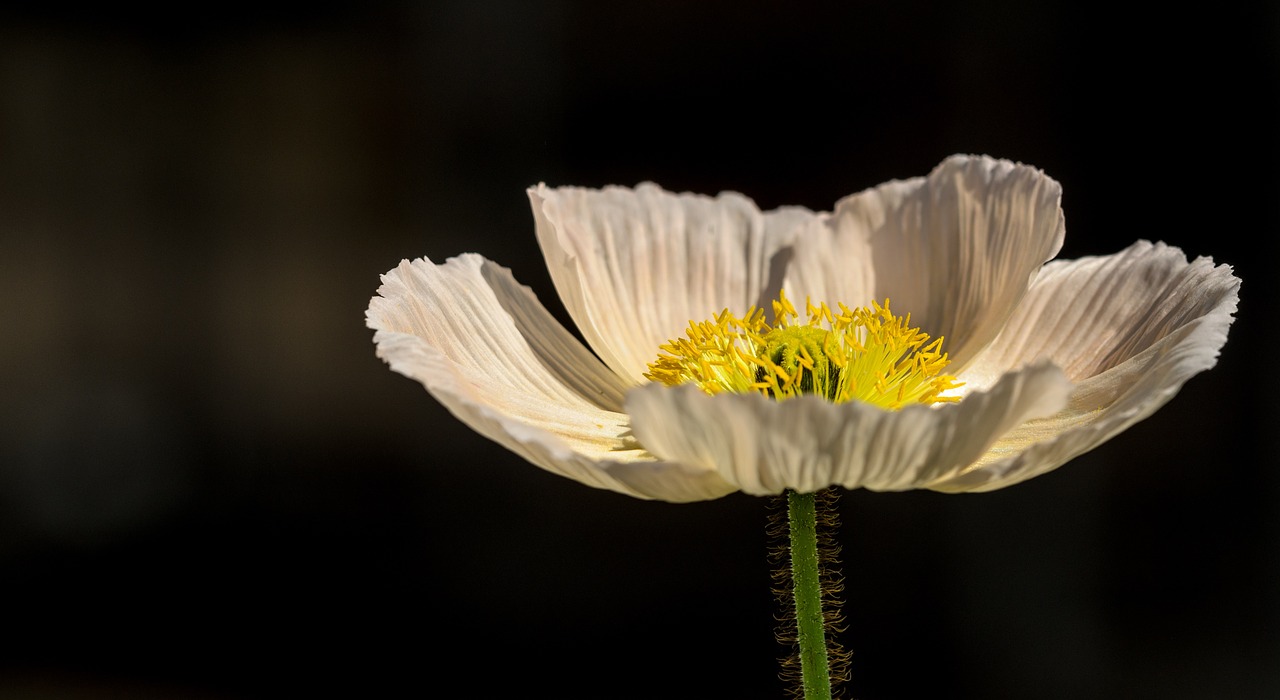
column 211, row 488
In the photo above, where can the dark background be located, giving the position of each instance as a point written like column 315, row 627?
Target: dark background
column 211, row 488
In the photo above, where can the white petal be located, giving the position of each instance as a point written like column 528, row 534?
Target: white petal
column 1091, row 314
column 1130, row 328
column 486, row 349
column 673, row 482
column 832, row 259
column 764, row 446
column 956, row 250
column 634, row 267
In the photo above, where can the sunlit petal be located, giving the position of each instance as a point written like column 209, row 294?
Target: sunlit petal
column 633, row 267
column 1130, row 329
column 486, row 349
column 764, row 446
column 957, row 248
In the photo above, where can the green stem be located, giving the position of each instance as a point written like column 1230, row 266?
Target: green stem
column 814, row 669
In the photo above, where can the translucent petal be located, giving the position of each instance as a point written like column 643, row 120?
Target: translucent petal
column 486, row 349
column 633, row 267
column 956, row 249
column 1129, row 328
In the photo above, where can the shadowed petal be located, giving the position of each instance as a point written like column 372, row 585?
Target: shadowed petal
column 763, row 446
column 673, row 482
column 956, row 249
column 1129, row 328
column 633, row 267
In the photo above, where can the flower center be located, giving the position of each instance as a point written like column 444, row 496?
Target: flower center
column 865, row 354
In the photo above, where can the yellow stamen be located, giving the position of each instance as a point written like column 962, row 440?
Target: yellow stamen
column 865, row 354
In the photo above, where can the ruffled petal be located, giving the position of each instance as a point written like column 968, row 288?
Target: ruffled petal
column 764, row 446
column 1130, row 329
column 633, row 267
column 484, row 346
column 1091, row 314
column 956, row 249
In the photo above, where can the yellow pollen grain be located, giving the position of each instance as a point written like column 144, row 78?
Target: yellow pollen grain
column 866, row 354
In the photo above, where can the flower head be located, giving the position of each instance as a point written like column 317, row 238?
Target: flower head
column 996, row 363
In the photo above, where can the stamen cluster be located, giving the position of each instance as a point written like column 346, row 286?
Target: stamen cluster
column 866, row 354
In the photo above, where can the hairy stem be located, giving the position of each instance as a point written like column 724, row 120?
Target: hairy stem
column 806, row 580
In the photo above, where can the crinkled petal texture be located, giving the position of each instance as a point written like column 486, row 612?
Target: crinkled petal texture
column 486, row 349
column 1128, row 329
column 764, row 446
column 633, row 267
column 956, row 249
column 1056, row 358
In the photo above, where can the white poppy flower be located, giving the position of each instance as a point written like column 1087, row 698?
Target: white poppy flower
column 1052, row 358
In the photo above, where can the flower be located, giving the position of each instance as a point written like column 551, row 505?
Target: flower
column 1050, row 358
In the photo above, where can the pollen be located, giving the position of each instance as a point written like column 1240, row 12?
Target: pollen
column 864, row 354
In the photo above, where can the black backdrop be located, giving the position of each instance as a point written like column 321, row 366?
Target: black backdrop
column 211, row 488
